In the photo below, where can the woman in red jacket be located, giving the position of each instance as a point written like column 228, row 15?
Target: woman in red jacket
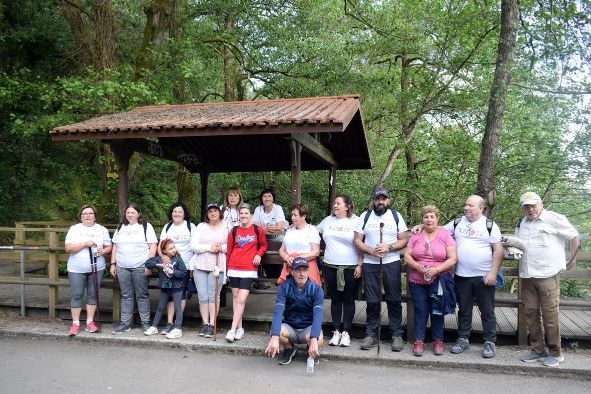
column 246, row 245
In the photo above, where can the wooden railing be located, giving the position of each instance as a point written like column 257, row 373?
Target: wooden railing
column 49, row 251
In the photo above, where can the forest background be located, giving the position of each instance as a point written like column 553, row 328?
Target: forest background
column 425, row 72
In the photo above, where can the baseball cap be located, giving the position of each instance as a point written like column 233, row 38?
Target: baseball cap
column 380, row 191
column 213, row 205
column 299, row 262
column 530, row 198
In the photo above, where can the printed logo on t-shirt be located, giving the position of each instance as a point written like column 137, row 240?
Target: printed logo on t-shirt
column 469, row 232
column 243, row 240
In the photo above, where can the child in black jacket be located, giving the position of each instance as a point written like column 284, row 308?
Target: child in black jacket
column 171, row 286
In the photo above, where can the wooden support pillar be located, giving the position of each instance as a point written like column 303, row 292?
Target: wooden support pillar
column 521, row 325
column 122, row 154
column 204, row 176
column 296, row 172
column 52, row 273
column 332, row 175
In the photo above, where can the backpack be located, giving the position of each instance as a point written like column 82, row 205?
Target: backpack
column 256, row 232
column 489, row 224
column 170, row 224
column 394, row 213
column 144, row 225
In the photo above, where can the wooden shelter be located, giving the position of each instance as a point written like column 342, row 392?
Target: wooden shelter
column 321, row 133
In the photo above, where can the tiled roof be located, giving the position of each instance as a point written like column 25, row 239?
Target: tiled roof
column 237, row 136
column 208, row 118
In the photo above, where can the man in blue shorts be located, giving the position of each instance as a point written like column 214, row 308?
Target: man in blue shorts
column 298, row 315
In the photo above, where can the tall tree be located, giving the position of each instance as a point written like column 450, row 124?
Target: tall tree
column 496, row 107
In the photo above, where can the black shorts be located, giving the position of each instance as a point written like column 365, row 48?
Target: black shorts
column 241, row 283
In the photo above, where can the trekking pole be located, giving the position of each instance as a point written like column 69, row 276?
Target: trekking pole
column 96, row 288
column 216, row 274
column 380, row 290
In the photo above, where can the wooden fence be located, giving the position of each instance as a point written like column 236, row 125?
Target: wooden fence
column 47, row 250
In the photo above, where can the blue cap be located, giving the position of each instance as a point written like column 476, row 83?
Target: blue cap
column 380, row 191
column 299, row 262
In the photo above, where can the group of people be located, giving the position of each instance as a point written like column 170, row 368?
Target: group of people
column 446, row 265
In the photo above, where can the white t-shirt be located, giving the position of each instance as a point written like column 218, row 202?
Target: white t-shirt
column 261, row 218
column 181, row 236
column 474, row 246
column 231, row 217
column 79, row 262
column 372, row 234
column 298, row 241
column 338, row 236
column 132, row 248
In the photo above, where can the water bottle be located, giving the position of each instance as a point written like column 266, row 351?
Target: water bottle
column 427, row 275
column 310, row 365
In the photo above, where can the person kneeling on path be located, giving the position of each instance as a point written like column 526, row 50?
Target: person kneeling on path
column 172, row 282
column 299, row 304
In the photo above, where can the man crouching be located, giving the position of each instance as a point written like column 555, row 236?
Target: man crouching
column 299, row 303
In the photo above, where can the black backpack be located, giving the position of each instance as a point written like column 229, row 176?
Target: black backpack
column 256, row 232
column 394, row 213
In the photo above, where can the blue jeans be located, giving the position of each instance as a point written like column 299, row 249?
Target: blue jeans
column 422, row 308
column 392, row 296
column 134, row 284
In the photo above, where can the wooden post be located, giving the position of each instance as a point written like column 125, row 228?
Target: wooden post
column 521, row 326
column 296, row 172
column 204, row 176
column 19, row 240
column 410, row 315
column 52, row 272
column 122, row 154
column 332, row 174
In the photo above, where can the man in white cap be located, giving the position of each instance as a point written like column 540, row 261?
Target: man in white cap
column 544, row 234
column 381, row 254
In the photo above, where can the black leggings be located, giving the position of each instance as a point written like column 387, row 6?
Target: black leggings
column 342, row 302
column 165, row 295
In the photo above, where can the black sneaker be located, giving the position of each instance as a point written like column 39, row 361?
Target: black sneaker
column 287, row 355
column 169, row 327
column 203, row 330
column 122, row 327
column 209, row 332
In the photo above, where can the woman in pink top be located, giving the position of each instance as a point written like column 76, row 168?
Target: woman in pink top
column 429, row 255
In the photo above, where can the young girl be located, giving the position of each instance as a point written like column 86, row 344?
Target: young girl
column 172, row 277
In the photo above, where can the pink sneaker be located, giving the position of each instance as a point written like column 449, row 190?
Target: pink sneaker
column 74, row 330
column 438, row 348
column 91, row 327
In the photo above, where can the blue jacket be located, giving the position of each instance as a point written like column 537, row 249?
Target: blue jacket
column 299, row 308
column 448, row 299
column 177, row 280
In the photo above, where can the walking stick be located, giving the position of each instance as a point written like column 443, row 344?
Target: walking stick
column 380, row 290
column 96, row 288
column 216, row 274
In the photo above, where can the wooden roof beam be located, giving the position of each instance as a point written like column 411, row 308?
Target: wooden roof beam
column 315, row 148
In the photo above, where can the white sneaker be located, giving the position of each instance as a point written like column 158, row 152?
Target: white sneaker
column 239, row 333
column 175, row 333
column 345, row 339
column 151, row 331
column 336, row 338
column 231, row 335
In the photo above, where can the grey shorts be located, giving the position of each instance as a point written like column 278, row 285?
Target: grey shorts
column 296, row 335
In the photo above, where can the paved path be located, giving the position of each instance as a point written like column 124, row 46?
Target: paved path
column 577, row 364
column 37, row 365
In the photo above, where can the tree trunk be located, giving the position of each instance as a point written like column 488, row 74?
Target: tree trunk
column 158, row 20
column 104, row 42
column 232, row 91
column 411, row 174
column 80, row 30
column 496, row 105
